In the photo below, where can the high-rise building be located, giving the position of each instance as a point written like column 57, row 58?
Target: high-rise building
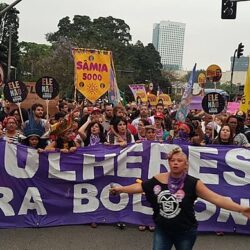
column 168, row 40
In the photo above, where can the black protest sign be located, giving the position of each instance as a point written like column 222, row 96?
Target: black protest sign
column 213, row 103
column 47, row 88
column 15, row 92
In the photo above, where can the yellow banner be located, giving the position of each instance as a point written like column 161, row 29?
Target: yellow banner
column 152, row 99
column 245, row 100
column 165, row 99
column 92, row 72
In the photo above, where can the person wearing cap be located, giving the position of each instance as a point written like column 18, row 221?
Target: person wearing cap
column 158, row 109
column 160, row 131
column 96, row 114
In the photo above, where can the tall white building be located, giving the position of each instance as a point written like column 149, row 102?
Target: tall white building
column 168, row 40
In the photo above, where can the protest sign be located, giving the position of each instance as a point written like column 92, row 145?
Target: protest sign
column 164, row 99
column 213, row 103
column 15, row 92
column 139, row 93
column 92, row 72
column 47, row 88
column 214, row 73
column 152, row 99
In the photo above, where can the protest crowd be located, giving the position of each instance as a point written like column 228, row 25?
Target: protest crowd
column 78, row 125
column 84, row 124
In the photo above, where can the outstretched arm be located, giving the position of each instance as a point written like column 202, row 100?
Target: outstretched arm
column 219, row 200
column 131, row 189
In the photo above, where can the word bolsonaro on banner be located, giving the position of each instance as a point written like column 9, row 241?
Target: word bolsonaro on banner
column 92, row 72
column 38, row 190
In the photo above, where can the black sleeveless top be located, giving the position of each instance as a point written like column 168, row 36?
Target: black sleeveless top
column 173, row 212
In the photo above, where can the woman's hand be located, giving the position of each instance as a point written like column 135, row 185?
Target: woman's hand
column 64, row 150
column 40, row 150
column 72, row 149
column 115, row 190
column 123, row 144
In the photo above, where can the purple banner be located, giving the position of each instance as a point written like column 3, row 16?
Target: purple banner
column 51, row 189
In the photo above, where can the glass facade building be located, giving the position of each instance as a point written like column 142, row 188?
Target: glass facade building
column 168, row 40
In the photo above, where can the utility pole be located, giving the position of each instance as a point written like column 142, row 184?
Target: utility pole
column 9, row 7
column 9, row 53
column 232, row 72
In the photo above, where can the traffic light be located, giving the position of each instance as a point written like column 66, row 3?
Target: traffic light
column 240, row 50
column 228, row 9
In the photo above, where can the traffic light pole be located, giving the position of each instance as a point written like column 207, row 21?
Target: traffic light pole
column 232, row 73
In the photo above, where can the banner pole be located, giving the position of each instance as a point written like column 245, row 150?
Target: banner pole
column 47, row 109
column 20, row 111
column 213, row 116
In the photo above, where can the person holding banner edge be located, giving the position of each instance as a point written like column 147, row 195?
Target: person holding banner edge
column 172, row 196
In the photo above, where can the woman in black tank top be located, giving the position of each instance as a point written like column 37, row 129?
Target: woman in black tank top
column 172, row 196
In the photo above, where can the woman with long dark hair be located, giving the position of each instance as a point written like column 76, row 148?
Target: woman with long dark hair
column 122, row 136
column 93, row 135
column 238, row 137
column 225, row 136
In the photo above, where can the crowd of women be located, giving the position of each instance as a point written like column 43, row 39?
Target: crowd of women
column 88, row 126
column 82, row 126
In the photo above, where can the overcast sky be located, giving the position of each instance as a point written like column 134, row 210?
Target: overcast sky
column 208, row 38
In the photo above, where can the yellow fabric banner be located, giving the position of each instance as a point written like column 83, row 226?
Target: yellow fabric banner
column 245, row 100
column 92, row 72
column 152, row 99
column 164, row 99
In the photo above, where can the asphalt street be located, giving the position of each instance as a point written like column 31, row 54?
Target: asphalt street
column 104, row 237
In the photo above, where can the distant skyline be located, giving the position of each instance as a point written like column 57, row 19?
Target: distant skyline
column 208, row 38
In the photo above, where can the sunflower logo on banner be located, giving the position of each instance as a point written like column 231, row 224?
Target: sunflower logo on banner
column 92, row 72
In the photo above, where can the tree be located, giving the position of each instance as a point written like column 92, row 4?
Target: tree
column 9, row 24
column 32, row 56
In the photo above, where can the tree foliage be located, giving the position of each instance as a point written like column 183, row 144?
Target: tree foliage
column 133, row 62
column 9, row 24
column 32, row 56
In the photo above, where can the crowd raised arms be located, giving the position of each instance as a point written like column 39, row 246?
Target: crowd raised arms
column 76, row 126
